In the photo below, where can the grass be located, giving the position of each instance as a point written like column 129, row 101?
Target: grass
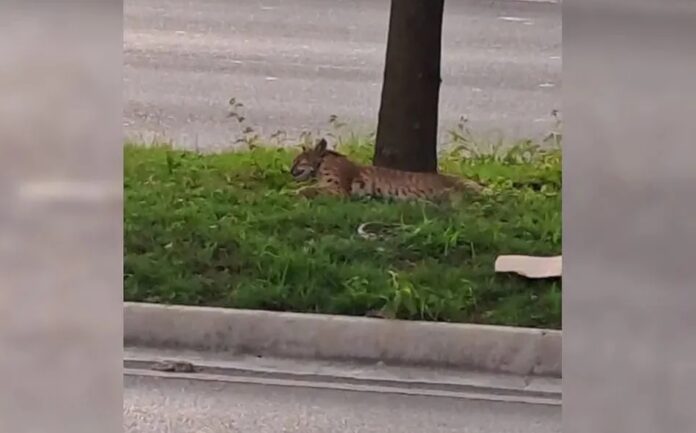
column 227, row 230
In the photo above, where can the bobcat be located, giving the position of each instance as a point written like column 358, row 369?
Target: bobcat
column 338, row 176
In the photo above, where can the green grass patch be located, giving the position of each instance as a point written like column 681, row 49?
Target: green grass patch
column 227, row 230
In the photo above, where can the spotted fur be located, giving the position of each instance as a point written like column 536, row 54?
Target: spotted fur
column 337, row 175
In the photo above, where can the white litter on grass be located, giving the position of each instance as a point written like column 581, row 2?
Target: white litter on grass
column 363, row 233
column 375, row 230
column 530, row 266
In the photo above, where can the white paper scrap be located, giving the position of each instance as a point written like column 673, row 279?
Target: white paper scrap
column 530, row 266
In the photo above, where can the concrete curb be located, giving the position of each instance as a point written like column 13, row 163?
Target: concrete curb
column 521, row 351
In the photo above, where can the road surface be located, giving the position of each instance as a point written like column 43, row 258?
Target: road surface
column 188, row 406
column 233, row 393
column 294, row 63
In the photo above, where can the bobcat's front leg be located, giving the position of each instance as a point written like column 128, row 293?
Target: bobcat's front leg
column 322, row 189
column 308, row 191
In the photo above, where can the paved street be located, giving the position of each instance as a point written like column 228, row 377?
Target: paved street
column 293, row 63
column 187, row 406
column 234, row 393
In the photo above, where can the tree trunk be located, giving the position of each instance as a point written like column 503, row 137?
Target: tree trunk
column 408, row 113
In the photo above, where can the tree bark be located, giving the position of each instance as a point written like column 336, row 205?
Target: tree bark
column 408, row 113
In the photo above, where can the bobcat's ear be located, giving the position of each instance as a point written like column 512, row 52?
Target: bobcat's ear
column 321, row 146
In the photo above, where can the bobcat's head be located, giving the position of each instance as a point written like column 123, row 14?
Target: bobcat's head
column 306, row 164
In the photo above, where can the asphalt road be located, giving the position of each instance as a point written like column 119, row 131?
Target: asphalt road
column 185, row 406
column 293, row 63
